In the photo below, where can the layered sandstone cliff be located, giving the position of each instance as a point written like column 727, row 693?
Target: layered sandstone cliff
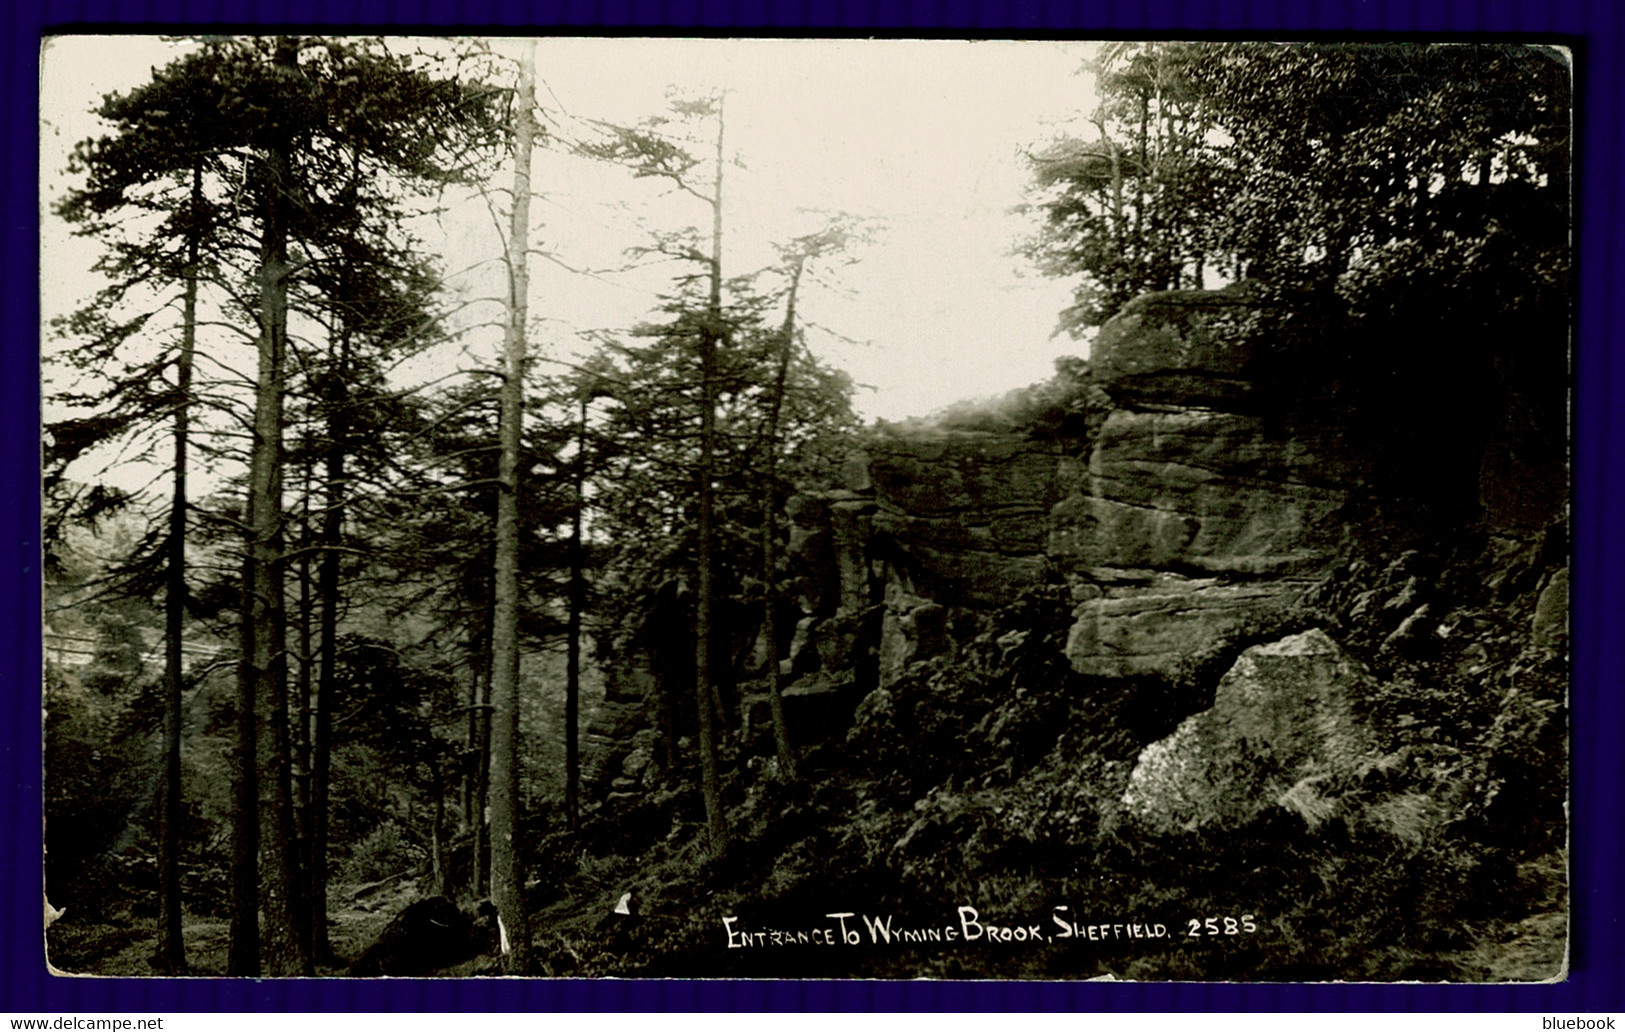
column 1201, row 508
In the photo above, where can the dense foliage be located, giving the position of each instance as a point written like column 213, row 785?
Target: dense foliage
column 1388, row 173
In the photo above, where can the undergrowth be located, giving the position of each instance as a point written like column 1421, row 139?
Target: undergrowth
column 989, row 779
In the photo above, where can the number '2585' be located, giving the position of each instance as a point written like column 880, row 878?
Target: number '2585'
column 1221, row 926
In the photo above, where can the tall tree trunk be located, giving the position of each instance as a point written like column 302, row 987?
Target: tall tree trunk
column 1117, row 220
column 171, row 954
column 770, row 531
column 479, row 740
column 304, row 689
column 265, row 616
column 437, row 844
column 465, row 826
column 716, row 820
column 1139, row 195
column 336, row 497
column 572, row 653
column 478, row 651
column 243, row 952
column 507, row 872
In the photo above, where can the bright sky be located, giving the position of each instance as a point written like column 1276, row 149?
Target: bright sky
column 926, row 136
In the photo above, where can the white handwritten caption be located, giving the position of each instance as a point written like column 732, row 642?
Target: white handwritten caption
column 970, row 928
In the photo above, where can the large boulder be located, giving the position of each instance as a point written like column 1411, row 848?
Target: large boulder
column 1283, row 731
column 426, row 936
column 1192, row 528
column 1550, row 626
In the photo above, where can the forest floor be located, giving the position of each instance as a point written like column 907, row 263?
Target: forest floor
column 578, row 934
column 122, row 945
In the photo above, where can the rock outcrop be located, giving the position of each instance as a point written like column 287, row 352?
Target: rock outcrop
column 961, row 515
column 933, row 527
column 1178, row 508
column 1197, row 511
column 1208, row 504
column 1200, row 347
column 1188, row 517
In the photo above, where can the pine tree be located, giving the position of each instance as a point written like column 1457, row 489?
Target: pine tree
column 167, row 158
column 507, row 871
column 649, row 153
column 271, row 116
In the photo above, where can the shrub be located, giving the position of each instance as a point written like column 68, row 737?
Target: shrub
column 383, row 853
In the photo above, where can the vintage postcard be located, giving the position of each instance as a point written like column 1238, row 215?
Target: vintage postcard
column 798, row 508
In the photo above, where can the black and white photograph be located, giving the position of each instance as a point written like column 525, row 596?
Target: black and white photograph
column 588, row 507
